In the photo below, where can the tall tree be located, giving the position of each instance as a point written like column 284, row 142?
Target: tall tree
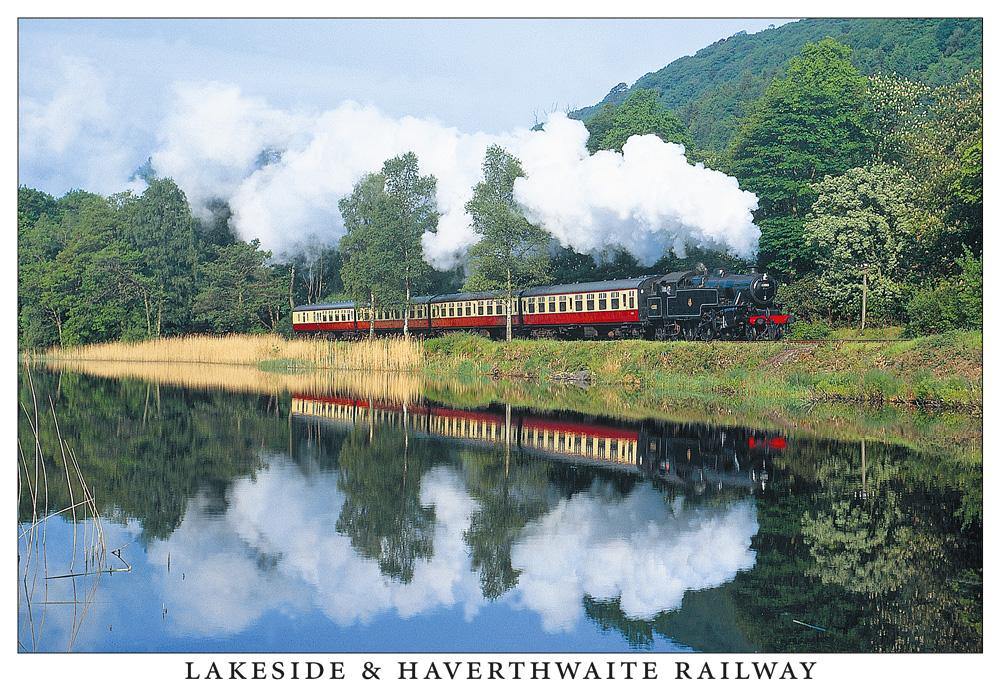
column 813, row 122
column 414, row 207
column 163, row 231
column 513, row 253
column 867, row 225
column 368, row 271
column 239, row 292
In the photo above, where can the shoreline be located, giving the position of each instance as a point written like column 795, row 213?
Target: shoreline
column 940, row 372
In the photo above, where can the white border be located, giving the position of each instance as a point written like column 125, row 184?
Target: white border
column 169, row 669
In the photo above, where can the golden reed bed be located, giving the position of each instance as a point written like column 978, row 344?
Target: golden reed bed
column 385, row 386
column 390, row 354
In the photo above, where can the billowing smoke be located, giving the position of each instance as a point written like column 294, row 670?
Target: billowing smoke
column 284, row 172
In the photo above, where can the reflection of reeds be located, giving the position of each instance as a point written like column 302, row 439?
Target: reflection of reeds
column 396, row 387
column 32, row 550
column 390, row 354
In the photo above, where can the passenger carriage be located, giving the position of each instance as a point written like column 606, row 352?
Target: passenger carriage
column 689, row 305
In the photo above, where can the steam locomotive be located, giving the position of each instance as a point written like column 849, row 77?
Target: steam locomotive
column 693, row 304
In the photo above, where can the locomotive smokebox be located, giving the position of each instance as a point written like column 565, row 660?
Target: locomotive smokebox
column 763, row 290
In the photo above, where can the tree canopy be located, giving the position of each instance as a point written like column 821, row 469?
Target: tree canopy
column 512, row 253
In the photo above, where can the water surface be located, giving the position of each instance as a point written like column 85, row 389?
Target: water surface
column 353, row 519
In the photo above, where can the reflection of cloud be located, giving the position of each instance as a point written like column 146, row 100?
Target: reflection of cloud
column 45, row 620
column 635, row 548
column 276, row 548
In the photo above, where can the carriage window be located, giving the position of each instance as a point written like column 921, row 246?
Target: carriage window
column 482, row 308
column 489, row 308
column 468, row 308
column 562, row 304
column 631, row 299
column 501, row 309
column 614, row 301
column 531, row 305
column 579, row 303
column 590, row 302
column 602, row 302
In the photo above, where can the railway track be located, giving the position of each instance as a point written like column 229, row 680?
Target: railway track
column 810, row 341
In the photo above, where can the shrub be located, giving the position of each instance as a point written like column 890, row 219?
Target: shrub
column 810, row 330
column 954, row 305
column 802, row 298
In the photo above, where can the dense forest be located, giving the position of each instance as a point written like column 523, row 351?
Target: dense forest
column 711, row 89
column 861, row 138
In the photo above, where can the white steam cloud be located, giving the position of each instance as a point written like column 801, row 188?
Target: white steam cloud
column 646, row 199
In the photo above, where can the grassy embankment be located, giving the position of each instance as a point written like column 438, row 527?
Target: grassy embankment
column 941, row 370
column 938, row 371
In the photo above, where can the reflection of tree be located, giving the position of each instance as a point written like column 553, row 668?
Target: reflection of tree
column 382, row 514
column 706, row 621
column 146, row 449
column 878, row 551
column 863, row 548
column 510, row 493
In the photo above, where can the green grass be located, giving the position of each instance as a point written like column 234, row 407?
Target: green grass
column 939, row 371
column 284, row 365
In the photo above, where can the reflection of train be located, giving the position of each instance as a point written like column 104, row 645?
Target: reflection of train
column 686, row 454
column 689, row 305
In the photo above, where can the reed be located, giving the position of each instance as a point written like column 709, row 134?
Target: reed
column 397, row 387
column 388, row 354
column 87, row 556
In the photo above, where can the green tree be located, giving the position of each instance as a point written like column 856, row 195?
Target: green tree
column 32, row 204
column 866, row 221
column 369, row 272
column 414, row 208
column 936, row 135
column 813, row 122
column 954, row 304
column 75, row 267
column 162, row 230
column 640, row 113
column 239, row 292
column 513, row 253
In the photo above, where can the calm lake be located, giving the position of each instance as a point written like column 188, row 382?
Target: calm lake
column 396, row 517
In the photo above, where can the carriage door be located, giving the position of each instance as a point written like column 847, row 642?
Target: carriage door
column 655, row 304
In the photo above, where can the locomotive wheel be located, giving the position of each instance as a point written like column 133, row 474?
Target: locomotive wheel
column 706, row 329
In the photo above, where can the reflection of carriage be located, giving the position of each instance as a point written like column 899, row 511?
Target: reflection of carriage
column 685, row 454
column 688, row 305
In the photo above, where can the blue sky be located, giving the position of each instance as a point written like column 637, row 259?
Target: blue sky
column 489, row 75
